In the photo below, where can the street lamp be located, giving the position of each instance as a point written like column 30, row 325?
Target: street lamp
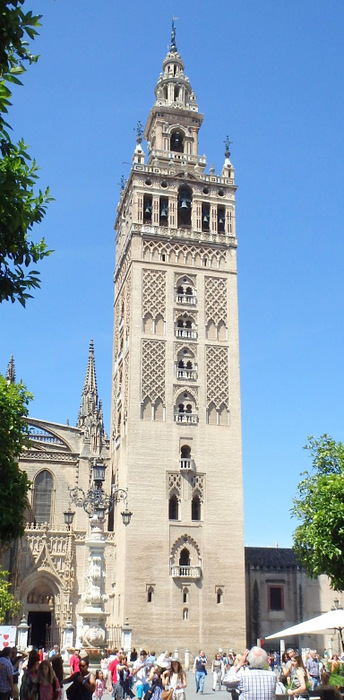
column 96, row 502
column 68, row 517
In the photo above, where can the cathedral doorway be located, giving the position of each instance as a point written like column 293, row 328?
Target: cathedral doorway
column 40, row 625
column 40, row 610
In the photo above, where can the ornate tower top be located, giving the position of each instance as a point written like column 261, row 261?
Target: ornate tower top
column 11, row 373
column 175, row 110
column 90, row 418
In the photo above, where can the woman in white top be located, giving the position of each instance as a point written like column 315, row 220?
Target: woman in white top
column 218, row 671
column 175, row 680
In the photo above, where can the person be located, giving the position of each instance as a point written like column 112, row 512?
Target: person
column 83, row 682
column 327, row 691
column 334, row 663
column 74, row 662
column 286, row 665
column 200, row 671
column 140, row 670
column 48, row 687
column 15, row 661
column 117, row 691
column 155, row 677
column 55, row 650
column 218, row 671
column 313, row 669
column 6, row 674
column 57, row 664
column 123, row 672
column 175, row 679
column 29, row 680
column 255, row 683
column 104, row 665
column 298, row 676
column 100, row 685
column 133, row 655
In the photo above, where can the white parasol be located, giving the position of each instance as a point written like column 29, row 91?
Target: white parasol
column 333, row 619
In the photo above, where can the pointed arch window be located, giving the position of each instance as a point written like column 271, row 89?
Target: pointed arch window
column 184, row 558
column 196, row 508
column 43, row 491
column 173, row 507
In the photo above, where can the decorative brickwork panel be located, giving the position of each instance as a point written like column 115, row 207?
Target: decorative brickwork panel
column 153, row 370
column 125, row 388
column 192, row 256
column 197, row 486
column 154, row 293
column 217, row 376
column 127, row 303
column 175, row 485
column 215, row 300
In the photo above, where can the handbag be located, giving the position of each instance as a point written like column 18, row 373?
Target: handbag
column 167, row 694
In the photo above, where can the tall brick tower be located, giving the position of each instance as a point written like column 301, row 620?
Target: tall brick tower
column 176, row 431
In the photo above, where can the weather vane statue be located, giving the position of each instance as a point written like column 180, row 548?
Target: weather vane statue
column 139, row 131
column 173, row 36
column 227, row 143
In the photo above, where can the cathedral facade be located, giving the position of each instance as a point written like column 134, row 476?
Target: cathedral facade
column 165, row 580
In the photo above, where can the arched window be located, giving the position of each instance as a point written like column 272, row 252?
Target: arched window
column 185, row 614
column 205, row 217
column 185, row 452
column 149, row 594
column 147, row 208
column 184, row 558
column 159, row 325
column 173, row 507
column 185, row 595
column 219, row 596
column 221, row 217
column 158, row 410
column 148, row 323
column 43, row 490
column 184, row 206
column 177, row 142
column 147, row 409
column 196, row 508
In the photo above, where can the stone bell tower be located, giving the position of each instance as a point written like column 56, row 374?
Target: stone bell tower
column 176, row 431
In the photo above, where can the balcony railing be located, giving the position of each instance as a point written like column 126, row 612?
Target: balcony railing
column 186, row 571
column 186, row 374
column 189, row 299
column 187, row 464
column 186, row 333
column 190, row 418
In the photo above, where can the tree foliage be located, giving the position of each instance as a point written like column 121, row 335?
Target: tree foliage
column 20, row 206
column 8, row 603
column 319, row 539
column 14, row 483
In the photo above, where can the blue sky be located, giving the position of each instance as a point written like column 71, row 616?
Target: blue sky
column 269, row 74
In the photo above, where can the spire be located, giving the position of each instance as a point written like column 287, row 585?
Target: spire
column 90, row 418
column 11, row 373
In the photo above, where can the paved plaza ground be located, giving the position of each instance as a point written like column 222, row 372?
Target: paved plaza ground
column 191, row 689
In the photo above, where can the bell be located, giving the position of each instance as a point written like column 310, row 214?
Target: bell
column 184, row 204
column 148, row 209
column 206, row 219
column 221, row 219
column 164, row 213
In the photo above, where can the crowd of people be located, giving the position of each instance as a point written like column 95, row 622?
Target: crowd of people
column 254, row 675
